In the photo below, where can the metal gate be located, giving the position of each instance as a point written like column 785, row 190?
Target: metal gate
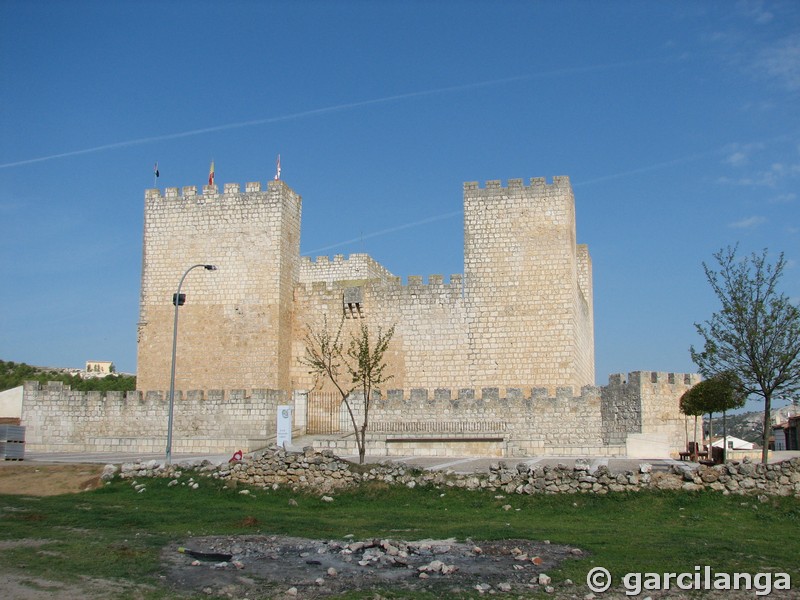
column 324, row 410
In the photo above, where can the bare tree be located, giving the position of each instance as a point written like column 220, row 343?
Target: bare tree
column 358, row 367
column 756, row 335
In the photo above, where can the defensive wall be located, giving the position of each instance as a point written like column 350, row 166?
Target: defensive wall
column 504, row 422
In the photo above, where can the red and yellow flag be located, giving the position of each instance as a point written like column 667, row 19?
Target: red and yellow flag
column 211, row 174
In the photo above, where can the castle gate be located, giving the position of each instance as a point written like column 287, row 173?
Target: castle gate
column 325, row 413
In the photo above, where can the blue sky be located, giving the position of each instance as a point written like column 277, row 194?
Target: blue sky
column 677, row 122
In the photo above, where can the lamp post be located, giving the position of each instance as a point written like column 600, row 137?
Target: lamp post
column 177, row 301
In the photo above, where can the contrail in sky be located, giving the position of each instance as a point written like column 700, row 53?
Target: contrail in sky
column 329, row 109
column 385, row 231
column 653, row 167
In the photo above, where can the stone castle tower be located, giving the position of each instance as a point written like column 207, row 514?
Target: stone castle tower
column 528, row 285
column 521, row 315
column 236, row 326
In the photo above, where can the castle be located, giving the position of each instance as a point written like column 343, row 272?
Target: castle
column 521, row 315
column 498, row 360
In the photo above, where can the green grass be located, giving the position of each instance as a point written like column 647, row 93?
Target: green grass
column 117, row 533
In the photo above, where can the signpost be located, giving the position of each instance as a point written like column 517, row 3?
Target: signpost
column 285, row 413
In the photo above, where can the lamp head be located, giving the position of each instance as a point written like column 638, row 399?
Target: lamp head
column 210, row 267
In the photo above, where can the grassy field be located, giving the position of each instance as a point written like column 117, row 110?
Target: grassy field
column 117, row 533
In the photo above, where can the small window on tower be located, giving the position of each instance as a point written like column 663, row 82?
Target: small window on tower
column 353, row 302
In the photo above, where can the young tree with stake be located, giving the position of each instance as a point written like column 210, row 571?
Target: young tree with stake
column 358, row 367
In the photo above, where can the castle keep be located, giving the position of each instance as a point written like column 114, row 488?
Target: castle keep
column 520, row 316
column 497, row 360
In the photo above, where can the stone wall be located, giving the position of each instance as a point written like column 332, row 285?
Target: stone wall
column 235, row 328
column 59, row 419
column 517, row 422
column 429, row 347
column 323, row 471
column 528, row 295
column 503, row 422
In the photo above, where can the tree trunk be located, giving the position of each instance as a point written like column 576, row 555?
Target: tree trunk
column 362, row 449
column 767, row 427
column 724, row 438
column 686, row 429
column 694, row 454
column 710, row 435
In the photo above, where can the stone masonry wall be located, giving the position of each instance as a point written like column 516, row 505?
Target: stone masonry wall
column 59, row 419
column 428, row 347
column 355, row 268
column 507, row 422
column 512, row 422
column 325, row 472
column 235, row 328
column 527, row 294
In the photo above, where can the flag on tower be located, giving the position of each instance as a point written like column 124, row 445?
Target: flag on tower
column 278, row 168
column 211, row 174
column 155, row 170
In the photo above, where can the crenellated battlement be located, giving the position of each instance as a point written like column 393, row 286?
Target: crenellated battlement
column 156, row 398
column 641, row 378
column 213, row 191
column 468, row 399
column 392, row 287
column 535, row 184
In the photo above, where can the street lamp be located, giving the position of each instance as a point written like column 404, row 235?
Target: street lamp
column 177, row 300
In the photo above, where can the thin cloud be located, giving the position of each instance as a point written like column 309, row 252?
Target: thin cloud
column 331, row 109
column 748, row 223
column 755, row 10
column 648, row 168
column 781, row 62
column 783, row 198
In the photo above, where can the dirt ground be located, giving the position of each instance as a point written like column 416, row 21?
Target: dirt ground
column 47, row 479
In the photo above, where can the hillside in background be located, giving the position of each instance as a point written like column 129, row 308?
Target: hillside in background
column 746, row 426
column 15, row 374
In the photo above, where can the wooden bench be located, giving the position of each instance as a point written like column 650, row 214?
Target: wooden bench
column 442, row 440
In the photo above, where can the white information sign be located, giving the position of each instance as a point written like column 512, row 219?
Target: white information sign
column 285, row 425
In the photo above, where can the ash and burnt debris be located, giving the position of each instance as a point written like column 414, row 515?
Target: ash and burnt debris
column 330, row 566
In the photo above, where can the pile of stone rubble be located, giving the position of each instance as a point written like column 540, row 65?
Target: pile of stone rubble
column 324, row 472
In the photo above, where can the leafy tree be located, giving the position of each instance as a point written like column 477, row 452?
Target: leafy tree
column 720, row 393
column 691, row 407
column 359, row 367
column 15, row 374
column 756, row 334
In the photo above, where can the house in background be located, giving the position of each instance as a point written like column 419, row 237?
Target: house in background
column 733, row 443
column 11, row 406
column 99, row 368
column 786, row 434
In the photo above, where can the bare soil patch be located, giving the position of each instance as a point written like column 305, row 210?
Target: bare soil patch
column 42, row 479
